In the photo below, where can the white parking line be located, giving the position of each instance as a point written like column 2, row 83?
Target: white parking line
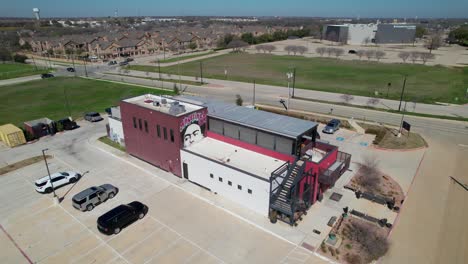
column 142, row 240
column 164, row 250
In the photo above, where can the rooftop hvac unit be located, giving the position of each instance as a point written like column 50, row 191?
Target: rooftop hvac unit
column 176, row 109
column 163, row 101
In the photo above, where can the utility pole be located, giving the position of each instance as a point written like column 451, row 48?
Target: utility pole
column 159, row 69
column 289, row 75
column 401, row 123
column 402, row 92
column 48, row 172
column 86, row 71
column 164, row 51
column 73, row 62
column 294, row 81
column 253, row 100
column 201, row 73
column 178, row 70
column 34, row 61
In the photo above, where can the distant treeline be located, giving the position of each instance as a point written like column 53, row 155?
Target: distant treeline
column 264, row 38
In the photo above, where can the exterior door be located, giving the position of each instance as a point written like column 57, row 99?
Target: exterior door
column 185, row 170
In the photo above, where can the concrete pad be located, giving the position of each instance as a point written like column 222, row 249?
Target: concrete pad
column 151, row 246
column 203, row 258
column 101, row 254
column 179, row 252
column 85, row 243
column 9, row 253
column 131, row 236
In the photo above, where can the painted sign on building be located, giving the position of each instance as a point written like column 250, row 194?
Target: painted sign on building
column 192, row 128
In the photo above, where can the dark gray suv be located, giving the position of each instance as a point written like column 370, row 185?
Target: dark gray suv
column 87, row 199
column 93, row 117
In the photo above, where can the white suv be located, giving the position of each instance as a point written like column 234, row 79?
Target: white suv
column 59, row 179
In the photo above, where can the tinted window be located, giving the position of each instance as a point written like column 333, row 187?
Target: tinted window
column 139, row 123
column 65, row 174
column 94, row 114
column 249, row 191
column 239, row 187
column 92, row 196
column 172, row 135
column 134, row 123
column 220, row 179
column 165, row 133
column 229, row 183
column 44, row 183
column 58, row 178
column 79, row 201
column 211, row 175
column 146, row 126
column 158, row 130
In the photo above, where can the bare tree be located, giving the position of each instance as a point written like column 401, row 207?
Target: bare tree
column 414, row 56
column 369, row 170
column 404, row 55
column 321, row 51
column 302, row 49
column 269, row 48
column 259, row 48
column 289, row 49
column 338, row 52
column 360, row 53
column 236, row 45
column 374, row 243
column 347, row 98
column 379, row 55
column 370, row 54
column 426, row 56
column 434, row 42
column 330, row 51
column 367, row 40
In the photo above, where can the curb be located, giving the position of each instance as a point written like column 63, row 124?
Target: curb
column 398, row 150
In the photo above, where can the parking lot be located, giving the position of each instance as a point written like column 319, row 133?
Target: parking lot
column 179, row 227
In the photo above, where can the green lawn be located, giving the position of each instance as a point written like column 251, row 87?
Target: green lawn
column 184, row 57
column 46, row 98
column 424, row 84
column 15, row 70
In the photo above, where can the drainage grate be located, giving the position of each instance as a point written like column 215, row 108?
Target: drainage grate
column 336, row 197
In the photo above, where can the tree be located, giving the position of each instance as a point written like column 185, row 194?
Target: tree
column 269, row 48
column 301, row 49
column 373, row 101
column 290, row 48
column 249, row 38
column 372, row 242
column 236, row 45
column 259, row 48
column 330, row 51
column 224, row 41
column 347, row 98
column 5, row 55
column 338, row 52
column 192, row 45
column 434, row 42
column 175, row 89
column 370, row 54
column 68, row 23
column 379, row 54
column 425, row 56
column 370, row 177
column 360, row 53
column 26, row 46
column 404, row 55
column 20, row 58
column 321, row 51
column 459, row 35
column 414, row 56
column 420, row 32
column 239, row 100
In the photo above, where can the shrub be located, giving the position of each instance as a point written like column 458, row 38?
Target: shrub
column 323, row 247
column 239, row 100
column 20, row 58
column 332, row 251
column 353, row 259
column 349, row 246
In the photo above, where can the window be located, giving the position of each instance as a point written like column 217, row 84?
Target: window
column 158, row 131
column 229, row 183
column 58, row 178
column 211, row 175
column 139, row 123
column 165, row 133
column 249, row 191
column 134, row 122
column 146, row 126
column 239, row 187
column 172, row 135
column 266, row 140
column 216, row 126
column 220, row 179
column 231, row 131
column 94, row 195
column 284, row 145
column 248, row 135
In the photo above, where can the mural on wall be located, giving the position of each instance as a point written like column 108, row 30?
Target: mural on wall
column 192, row 128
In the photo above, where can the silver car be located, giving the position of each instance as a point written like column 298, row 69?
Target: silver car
column 87, row 199
column 93, row 117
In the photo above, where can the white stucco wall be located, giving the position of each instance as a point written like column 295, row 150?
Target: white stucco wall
column 199, row 170
column 357, row 33
column 116, row 131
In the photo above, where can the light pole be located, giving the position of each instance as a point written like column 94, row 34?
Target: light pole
column 48, row 172
column 402, row 92
column 253, row 99
column 289, row 75
column 201, row 73
column 401, row 123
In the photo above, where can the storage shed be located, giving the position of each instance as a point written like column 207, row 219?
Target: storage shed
column 12, row 135
column 40, row 127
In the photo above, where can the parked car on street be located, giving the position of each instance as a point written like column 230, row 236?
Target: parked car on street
column 332, row 126
column 113, row 62
column 46, row 75
column 70, row 69
column 87, row 199
column 129, row 59
column 59, row 179
column 121, row 216
column 123, row 63
column 67, row 124
column 93, row 117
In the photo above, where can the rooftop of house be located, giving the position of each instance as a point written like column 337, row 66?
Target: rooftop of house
column 274, row 123
column 164, row 104
column 236, row 157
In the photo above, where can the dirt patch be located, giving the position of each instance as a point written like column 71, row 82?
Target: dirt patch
column 22, row 164
column 386, row 186
column 361, row 241
column 386, row 137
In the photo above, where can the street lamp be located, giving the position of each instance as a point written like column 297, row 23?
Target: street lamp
column 48, row 172
column 289, row 75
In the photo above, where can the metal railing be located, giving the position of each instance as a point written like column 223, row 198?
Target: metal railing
column 329, row 177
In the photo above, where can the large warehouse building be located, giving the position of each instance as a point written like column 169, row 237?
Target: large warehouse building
column 272, row 164
column 359, row 34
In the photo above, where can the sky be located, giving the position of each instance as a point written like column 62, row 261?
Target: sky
column 309, row 8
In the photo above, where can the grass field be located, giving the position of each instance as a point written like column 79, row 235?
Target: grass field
column 427, row 84
column 15, row 70
column 184, row 57
column 46, row 98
